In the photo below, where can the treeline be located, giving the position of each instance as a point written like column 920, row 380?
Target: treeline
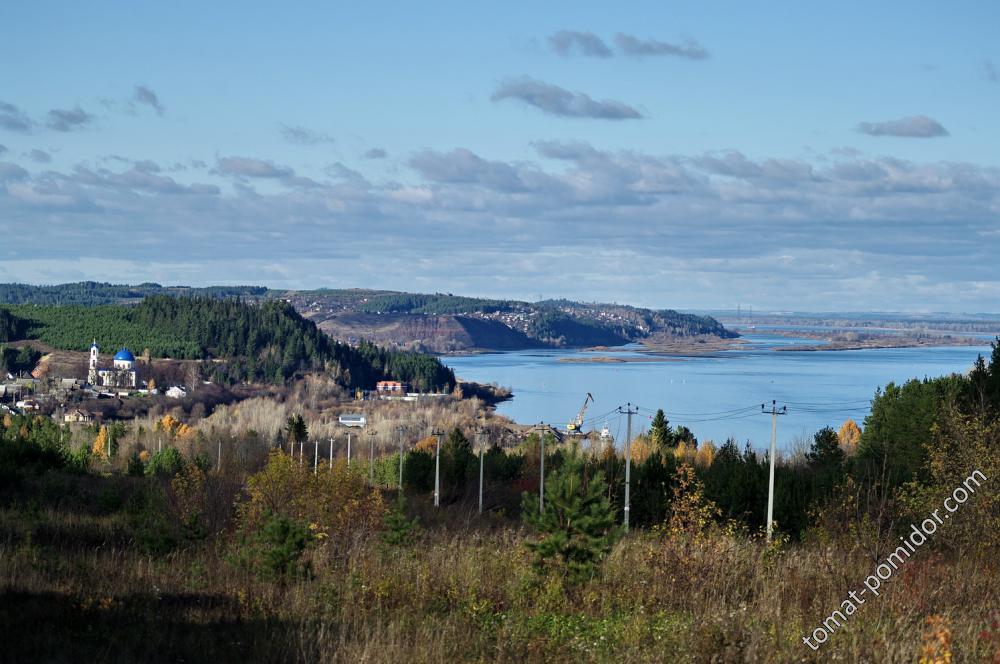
column 689, row 324
column 12, row 327
column 731, row 480
column 555, row 327
column 421, row 303
column 636, row 322
column 91, row 293
column 31, row 444
column 17, row 360
column 266, row 342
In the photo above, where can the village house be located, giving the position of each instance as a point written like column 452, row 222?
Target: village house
column 77, row 416
column 176, row 392
column 391, row 388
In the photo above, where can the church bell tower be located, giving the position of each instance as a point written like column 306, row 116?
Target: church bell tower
column 92, row 372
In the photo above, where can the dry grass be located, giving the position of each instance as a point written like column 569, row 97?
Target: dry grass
column 75, row 586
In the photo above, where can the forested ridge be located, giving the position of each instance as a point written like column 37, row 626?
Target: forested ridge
column 92, row 293
column 557, row 322
column 265, row 342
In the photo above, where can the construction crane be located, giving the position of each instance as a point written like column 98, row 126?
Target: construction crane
column 577, row 424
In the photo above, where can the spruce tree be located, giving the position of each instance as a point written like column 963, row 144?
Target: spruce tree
column 659, row 431
column 296, row 431
column 457, row 459
column 399, row 530
column 577, row 526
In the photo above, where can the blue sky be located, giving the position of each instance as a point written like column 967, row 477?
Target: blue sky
column 690, row 155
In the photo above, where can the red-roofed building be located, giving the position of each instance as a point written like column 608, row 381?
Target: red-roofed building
column 391, row 387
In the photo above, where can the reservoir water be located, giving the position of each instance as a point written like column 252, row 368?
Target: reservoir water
column 716, row 396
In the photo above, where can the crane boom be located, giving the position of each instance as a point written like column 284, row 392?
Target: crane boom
column 577, row 424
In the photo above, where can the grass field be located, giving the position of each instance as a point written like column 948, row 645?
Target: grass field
column 79, row 582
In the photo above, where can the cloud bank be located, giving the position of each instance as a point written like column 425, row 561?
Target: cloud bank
column 917, row 126
column 846, row 230
column 640, row 48
column 572, row 42
column 146, row 97
column 13, row 118
column 303, row 136
column 68, row 119
column 558, row 101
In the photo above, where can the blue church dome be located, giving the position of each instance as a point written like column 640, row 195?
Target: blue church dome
column 125, row 355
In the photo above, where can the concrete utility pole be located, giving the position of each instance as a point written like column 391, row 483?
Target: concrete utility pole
column 437, row 433
column 218, row 464
column 302, row 446
column 371, row 456
column 331, row 454
column 628, row 456
column 348, row 448
column 400, row 430
column 316, row 457
column 480, row 431
column 770, row 481
column 541, row 470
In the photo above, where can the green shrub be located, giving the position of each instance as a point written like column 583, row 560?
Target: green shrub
column 165, row 463
column 148, row 518
column 399, row 530
column 110, row 500
column 418, row 472
column 78, row 460
column 281, row 542
column 203, row 462
column 136, row 468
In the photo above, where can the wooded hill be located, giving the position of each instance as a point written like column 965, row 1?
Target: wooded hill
column 556, row 323
column 261, row 342
column 438, row 322
column 92, row 293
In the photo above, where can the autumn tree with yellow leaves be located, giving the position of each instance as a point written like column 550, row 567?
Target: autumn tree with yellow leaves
column 691, row 513
column 101, row 443
column 849, row 435
column 174, row 428
column 337, row 504
column 705, row 454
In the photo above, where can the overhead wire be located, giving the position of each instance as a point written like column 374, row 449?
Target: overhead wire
column 741, row 413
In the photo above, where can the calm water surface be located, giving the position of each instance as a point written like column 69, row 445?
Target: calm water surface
column 716, row 396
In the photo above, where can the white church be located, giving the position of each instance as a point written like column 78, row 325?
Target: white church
column 122, row 373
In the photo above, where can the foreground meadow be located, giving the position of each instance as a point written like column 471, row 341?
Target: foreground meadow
column 84, row 577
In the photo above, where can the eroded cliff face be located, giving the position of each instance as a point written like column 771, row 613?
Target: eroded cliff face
column 428, row 333
column 444, row 323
